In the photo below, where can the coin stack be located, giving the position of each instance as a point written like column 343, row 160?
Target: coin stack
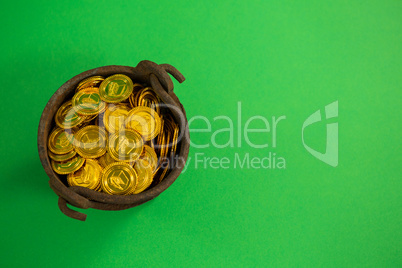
column 113, row 136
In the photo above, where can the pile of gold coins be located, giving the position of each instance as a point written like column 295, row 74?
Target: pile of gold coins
column 113, row 137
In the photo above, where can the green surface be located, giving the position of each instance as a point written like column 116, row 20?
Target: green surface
column 276, row 58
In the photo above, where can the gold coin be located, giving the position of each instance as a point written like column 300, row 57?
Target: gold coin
column 70, row 132
column 115, row 116
column 119, row 178
column 145, row 175
column 175, row 137
column 61, row 157
column 88, row 176
column 101, row 160
column 93, row 81
column 148, row 98
column 126, row 145
column 106, row 160
column 59, row 141
column 116, row 88
column 165, row 167
column 162, row 146
column 167, row 144
column 145, row 121
column 163, row 174
column 144, row 97
column 156, row 171
column 67, row 117
column 159, row 140
column 149, row 155
column 171, row 133
column 90, row 142
column 152, row 144
column 133, row 99
column 88, row 102
column 68, row 166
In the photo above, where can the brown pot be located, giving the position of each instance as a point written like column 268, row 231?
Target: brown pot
column 145, row 72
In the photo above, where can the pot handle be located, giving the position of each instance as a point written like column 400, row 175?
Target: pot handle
column 146, row 68
column 69, row 212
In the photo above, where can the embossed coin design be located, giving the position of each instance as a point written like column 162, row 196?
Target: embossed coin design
column 87, row 176
column 145, row 121
column 116, row 88
column 59, row 142
column 115, row 116
column 88, row 102
column 68, row 166
column 126, row 145
column 91, row 141
column 67, row 117
column 119, row 178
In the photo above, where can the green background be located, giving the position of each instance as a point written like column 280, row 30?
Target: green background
column 276, row 58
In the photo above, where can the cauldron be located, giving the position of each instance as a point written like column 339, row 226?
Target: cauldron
column 146, row 72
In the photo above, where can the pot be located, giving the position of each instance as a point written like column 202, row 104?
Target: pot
column 147, row 72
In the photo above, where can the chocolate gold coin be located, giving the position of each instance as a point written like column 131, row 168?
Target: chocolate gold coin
column 144, row 97
column 133, row 99
column 145, row 175
column 68, row 166
column 88, row 176
column 174, row 141
column 115, row 116
column 119, row 178
column 149, row 155
column 116, row 88
column 145, row 121
column 61, row 157
column 67, row 117
column 106, row 160
column 90, row 142
column 88, row 102
column 162, row 170
column 126, row 146
column 59, row 141
column 93, row 81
